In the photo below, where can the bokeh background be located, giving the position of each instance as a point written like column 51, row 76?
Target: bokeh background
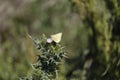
column 91, row 36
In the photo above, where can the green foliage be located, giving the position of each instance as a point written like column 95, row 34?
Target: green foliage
column 101, row 19
column 47, row 65
column 91, row 33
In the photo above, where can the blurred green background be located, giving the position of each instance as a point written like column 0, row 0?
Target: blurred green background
column 91, row 36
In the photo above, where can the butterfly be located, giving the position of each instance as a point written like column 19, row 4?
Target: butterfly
column 56, row 37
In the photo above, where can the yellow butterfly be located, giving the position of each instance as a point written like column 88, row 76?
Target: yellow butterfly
column 56, row 37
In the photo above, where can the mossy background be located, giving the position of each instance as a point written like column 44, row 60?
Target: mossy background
column 91, row 36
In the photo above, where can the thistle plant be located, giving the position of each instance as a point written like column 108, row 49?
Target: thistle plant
column 49, row 59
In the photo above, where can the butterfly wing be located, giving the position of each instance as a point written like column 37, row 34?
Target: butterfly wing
column 56, row 37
